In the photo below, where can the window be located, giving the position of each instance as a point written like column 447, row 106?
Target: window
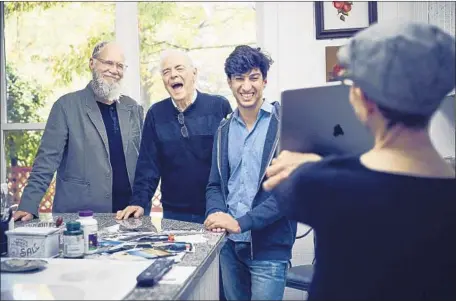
column 208, row 31
column 44, row 56
column 45, row 47
column 19, row 161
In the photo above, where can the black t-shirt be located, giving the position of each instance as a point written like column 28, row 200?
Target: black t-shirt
column 379, row 235
column 121, row 189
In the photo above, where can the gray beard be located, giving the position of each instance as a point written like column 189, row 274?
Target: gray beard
column 104, row 90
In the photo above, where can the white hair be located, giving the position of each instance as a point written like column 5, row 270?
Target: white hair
column 105, row 90
column 172, row 51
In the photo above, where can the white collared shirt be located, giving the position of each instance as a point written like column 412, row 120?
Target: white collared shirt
column 195, row 95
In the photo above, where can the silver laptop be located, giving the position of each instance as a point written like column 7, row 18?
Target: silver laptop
column 321, row 120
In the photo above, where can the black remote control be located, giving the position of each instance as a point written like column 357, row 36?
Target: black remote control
column 152, row 274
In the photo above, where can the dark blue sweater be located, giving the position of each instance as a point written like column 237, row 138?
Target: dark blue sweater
column 183, row 164
column 121, row 190
column 380, row 236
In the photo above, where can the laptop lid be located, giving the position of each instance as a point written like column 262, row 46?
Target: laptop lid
column 321, row 120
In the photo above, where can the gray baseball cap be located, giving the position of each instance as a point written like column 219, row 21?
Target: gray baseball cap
column 405, row 66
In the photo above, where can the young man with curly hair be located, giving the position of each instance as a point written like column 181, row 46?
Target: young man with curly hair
column 254, row 260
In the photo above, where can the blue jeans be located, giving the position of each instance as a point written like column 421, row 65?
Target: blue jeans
column 185, row 217
column 246, row 279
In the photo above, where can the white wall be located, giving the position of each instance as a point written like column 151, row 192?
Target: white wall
column 287, row 31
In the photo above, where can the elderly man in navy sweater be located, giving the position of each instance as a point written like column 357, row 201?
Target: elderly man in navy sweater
column 176, row 144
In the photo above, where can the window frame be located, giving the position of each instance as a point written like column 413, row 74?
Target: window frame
column 126, row 34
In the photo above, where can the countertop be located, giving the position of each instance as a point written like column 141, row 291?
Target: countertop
column 202, row 257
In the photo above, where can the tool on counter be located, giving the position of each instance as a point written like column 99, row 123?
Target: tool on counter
column 156, row 238
column 115, row 249
column 149, row 253
column 152, row 274
column 110, row 247
column 16, row 265
column 174, row 247
column 148, row 237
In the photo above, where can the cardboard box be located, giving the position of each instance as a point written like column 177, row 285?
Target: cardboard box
column 33, row 242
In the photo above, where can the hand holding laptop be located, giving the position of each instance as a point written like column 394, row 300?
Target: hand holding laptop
column 282, row 166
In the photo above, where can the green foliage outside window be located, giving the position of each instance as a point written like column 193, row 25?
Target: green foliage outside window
column 24, row 98
column 48, row 45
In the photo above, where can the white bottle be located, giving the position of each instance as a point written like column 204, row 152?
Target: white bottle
column 156, row 215
column 89, row 226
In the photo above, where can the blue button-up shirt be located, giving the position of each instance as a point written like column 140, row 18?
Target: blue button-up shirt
column 245, row 151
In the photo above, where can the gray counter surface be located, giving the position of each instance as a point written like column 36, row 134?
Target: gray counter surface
column 202, row 257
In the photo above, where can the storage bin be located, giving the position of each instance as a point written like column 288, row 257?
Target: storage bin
column 33, row 242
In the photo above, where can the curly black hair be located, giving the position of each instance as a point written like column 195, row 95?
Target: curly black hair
column 245, row 58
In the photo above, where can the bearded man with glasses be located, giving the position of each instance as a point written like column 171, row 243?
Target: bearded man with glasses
column 91, row 139
column 177, row 144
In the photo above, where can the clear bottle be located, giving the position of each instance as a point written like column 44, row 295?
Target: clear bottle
column 90, row 227
column 156, row 215
column 73, row 241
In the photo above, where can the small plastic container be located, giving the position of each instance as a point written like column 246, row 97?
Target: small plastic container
column 33, row 242
column 156, row 214
column 90, row 228
column 73, row 241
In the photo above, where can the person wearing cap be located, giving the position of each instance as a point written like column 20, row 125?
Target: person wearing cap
column 386, row 219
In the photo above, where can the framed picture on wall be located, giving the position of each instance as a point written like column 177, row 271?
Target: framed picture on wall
column 342, row 19
column 332, row 66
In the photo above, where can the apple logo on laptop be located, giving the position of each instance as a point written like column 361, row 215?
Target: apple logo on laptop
column 338, row 131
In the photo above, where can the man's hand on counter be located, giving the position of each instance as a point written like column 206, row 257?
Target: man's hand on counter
column 135, row 211
column 22, row 216
column 220, row 221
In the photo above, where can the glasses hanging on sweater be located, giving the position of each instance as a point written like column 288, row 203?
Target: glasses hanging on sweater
column 184, row 131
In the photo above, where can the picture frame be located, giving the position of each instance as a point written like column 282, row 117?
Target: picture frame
column 342, row 19
column 331, row 63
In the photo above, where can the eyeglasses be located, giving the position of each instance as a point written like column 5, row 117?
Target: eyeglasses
column 119, row 66
column 184, row 131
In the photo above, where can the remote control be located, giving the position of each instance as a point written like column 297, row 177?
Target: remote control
column 151, row 275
